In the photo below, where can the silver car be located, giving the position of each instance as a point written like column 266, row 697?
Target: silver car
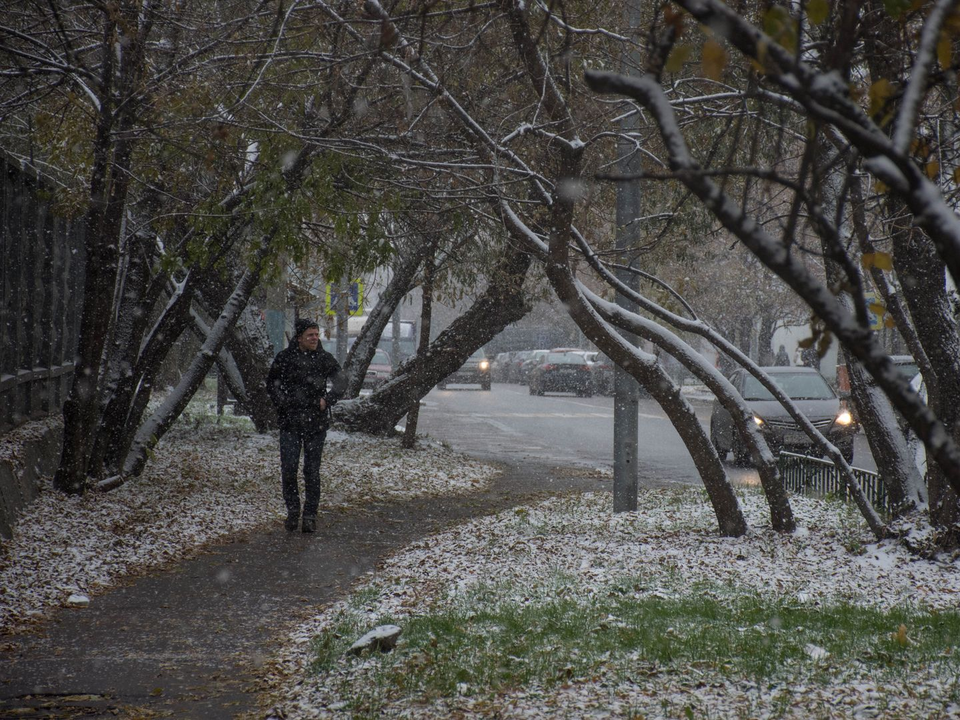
column 812, row 395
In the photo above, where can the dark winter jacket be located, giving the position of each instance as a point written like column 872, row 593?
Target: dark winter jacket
column 296, row 383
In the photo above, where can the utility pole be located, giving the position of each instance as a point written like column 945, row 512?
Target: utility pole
column 626, row 391
column 343, row 318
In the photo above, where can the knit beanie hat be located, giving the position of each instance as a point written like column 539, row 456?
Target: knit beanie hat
column 302, row 325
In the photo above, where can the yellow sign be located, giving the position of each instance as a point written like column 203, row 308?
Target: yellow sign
column 875, row 310
column 354, row 301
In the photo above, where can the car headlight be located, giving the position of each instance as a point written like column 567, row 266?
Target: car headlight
column 844, row 418
column 757, row 420
column 484, row 364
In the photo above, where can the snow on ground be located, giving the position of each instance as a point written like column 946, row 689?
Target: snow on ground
column 205, row 482
column 577, row 547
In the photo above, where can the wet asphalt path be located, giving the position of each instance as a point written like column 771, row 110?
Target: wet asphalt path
column 190, row 642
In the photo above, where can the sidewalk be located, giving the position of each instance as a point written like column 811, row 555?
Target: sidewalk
column 189, row 642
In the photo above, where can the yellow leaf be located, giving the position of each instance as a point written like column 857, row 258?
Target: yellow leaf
column 877, row 308
column 956, row 175
column 888, row 322
column 879, row 93
column 932, row 169
column 714, row 59
column 678, row 56
column 818, row 11
column 880, row 187
column 944, row 50
column 901, row 636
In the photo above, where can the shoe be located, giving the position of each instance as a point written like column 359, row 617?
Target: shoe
column 309, row 525
column 293, row 519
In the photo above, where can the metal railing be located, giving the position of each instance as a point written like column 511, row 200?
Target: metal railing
column 41, row 290
column 813, row 476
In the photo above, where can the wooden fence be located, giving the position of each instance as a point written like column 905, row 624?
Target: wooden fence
column 41, row 285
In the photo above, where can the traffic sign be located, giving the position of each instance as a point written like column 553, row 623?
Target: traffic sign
column 875, row 310
column 354, row 302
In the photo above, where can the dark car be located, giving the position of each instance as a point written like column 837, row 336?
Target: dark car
column 500, row 367
column 603, row 368
column 812, row 395
column 560, row 372
column 513, row 369
column 378, row 370
column 476, row 370
column 527, row 365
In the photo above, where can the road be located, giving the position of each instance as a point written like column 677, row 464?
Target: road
column 509, row 423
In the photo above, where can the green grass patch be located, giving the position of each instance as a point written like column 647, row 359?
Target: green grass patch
column 490, row 643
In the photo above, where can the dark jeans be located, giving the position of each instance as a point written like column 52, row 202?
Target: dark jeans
column 291, row 443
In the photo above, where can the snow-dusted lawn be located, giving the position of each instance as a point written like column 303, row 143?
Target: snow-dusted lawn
column 206, row 481
column 477, row 577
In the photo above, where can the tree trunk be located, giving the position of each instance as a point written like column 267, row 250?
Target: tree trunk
column 131, row 403
column 886, row 440
column 134, row 302
column 921, row 270
column 502, row 303
column 109, row 184
column 150, row 432
column 426, row 317
column 781, row 514
column 360, row 355
column 252, row 352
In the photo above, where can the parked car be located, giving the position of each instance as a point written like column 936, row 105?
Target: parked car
column 476, row 370
column 513, row 373
column 500, row 367
column 528, row 364
column 560, row 372
column 812, row 395
column 378, row 370
column 603, row 375
column 905, row 364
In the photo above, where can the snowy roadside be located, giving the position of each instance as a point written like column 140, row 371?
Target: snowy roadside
column 576, row 550
column 204, row 483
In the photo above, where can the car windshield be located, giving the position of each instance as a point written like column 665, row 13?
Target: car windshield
column 797, row 386
column 908, row 370
column 564, row 359
column 380, row 357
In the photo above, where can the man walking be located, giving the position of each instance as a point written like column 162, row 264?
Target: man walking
column 297, row 385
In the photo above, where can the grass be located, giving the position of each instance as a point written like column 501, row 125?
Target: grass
column 491, row 643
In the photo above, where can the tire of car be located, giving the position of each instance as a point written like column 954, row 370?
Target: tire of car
column 441, row 386
column 485, row 385
column 539, row 389
column 531, row 389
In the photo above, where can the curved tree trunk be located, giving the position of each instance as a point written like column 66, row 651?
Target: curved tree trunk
column 502, row 303
column 661, row 387
column 781, row 514
column 149, row 434
column 360, row 355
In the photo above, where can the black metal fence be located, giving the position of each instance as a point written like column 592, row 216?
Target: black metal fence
column 803, row 474
column 41, row 289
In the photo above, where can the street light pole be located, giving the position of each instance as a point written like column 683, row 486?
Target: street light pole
column 626, row 393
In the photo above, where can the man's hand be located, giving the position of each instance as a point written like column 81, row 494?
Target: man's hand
column 323, row 404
